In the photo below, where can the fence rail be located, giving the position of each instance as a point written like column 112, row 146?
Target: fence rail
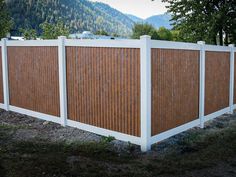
column 142, row 91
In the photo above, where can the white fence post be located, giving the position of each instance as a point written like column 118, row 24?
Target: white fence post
column 202, row 84
column 5, row 74
column 62, row 79
column 231, row 84
column 145, row 69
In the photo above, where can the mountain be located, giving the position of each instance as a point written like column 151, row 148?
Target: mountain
column 78, row 15
column 115, row 14
column 160, row 20
column 135, row 18
column 156, row 20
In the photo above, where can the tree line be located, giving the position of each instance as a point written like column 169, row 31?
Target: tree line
column 162, row 33
column 213, row 21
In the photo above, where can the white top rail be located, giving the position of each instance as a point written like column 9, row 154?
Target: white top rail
column 120, row 43
column 123, row 43
column 217, row 48
column 32, row 43
column 174, row 45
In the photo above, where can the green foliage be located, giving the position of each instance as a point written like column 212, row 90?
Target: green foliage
column 52, row 31
column 175, row 35
column 5, row 20
column 144, row 29
column 204, row 20
column 107, row 139
column 161, row 34
column 29, row 34
column 76, row 15
column 114, row 35
column 101, row 32
column 164, row 34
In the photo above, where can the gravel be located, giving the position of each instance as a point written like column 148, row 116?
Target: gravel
column 29, row 128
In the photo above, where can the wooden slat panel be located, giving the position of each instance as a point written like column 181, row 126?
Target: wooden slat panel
column 217, row 81
column 103, row 87
column 1, row 81
column 175, row 88
column 33, row 78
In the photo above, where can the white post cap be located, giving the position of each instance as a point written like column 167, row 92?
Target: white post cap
column 61, row 37
column 201, row 42
column 145, row 37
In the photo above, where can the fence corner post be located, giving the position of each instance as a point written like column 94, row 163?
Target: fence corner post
column 145, row 84
column 231, row 84
column 5, row 74
column 202, row 84
column 62, row 79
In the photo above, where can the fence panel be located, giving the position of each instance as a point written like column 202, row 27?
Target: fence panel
column 103, row 87
column 217, row 76
column 33, row 78
column 175, row 88
column 1, row 81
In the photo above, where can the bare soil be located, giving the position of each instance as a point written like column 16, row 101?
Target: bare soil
column 30, row 147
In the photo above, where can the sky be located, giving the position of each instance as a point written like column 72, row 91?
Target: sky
column 139, row 8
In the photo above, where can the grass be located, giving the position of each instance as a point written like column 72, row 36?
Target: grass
column 198, row 150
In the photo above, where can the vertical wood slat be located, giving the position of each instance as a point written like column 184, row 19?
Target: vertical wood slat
column 217, row 81
column 103, row 87
column 1, row 80
column 33, row 79
column 175, row 88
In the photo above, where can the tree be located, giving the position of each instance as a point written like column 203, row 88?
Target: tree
column 52, row 31
column 101, row 32
column 175, row 35
column 5, row 20
column 144, row 29
column 29, row 34
column 204, row 20
column 164, row 34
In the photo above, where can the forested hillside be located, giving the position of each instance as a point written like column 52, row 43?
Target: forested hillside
column 78, row 15
column 115, row 14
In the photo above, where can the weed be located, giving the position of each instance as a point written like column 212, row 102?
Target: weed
column 107, row 139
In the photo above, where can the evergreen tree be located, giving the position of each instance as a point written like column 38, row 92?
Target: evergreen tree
column 101, row 32
column 52, row 31
column 29, row 34
column 144, row 29
column 164, row 34
column 207, row 20
column 5, row 20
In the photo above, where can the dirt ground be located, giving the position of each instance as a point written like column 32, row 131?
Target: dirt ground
column 30, row 147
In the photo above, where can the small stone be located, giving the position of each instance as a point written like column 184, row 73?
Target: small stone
column 45, row 122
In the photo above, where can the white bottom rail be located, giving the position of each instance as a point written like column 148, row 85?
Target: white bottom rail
column 120, row 136
column 35, row 114
column 216, row 114
column 187, row 126
column 167, row 134
column 104, row 132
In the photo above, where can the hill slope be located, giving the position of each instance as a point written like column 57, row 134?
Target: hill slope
column 156, row 20
column 135, row 18
column 78, row 15
column 160, row 20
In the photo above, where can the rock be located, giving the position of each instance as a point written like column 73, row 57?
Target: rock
column 45, row 122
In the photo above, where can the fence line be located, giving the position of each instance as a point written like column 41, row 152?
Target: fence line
column 166, row 85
